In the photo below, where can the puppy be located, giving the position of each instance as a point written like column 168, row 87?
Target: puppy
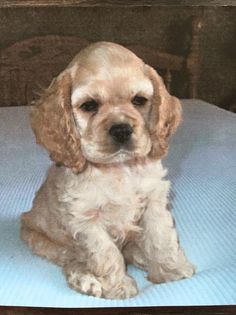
column 106, row 120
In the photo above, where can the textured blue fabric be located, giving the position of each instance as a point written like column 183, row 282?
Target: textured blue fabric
column 202, row 168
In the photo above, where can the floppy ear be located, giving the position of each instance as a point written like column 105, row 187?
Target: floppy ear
column 165, row 115
column 54, row 127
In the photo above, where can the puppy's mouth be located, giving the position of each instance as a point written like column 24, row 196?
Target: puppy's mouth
column 107, row 153
column 120, row 155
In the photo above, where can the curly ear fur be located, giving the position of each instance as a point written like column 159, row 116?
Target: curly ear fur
column 165, row 115
column 54, row 127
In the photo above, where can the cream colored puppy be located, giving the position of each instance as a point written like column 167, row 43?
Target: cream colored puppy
column 106, row 120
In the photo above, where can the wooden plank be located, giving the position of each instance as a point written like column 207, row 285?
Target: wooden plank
column 32, row 63
column 193, row 310
column 94, row 3
column 156, row 58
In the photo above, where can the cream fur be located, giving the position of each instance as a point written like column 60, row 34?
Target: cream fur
column 109, row 208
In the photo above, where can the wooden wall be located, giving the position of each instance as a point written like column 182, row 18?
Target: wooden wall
column 163, row 27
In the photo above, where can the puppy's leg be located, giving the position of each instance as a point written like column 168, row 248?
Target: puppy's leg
column 157, row 249
column 40, row 244
column 99, row 267
column 134, row 254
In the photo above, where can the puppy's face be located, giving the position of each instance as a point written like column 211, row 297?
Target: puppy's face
column 111, row 101
column 107, row 106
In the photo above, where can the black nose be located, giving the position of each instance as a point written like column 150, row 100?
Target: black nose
column 121, row 133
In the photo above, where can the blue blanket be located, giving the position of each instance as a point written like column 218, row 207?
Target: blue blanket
column 202, row 168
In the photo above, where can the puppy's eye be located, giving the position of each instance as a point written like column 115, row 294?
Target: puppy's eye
column 139, row 100
column 90, row 106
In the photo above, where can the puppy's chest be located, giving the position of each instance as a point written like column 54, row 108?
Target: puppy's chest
column 119, row 203
column 116, row 199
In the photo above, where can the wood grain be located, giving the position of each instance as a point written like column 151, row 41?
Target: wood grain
column 92, row 3
column 194, row 310
column 31, row 64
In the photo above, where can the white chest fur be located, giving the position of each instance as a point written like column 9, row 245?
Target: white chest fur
column 116, row 197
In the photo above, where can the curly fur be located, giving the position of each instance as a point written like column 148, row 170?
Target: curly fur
column 53, row 125
column 166, row 115
column 103, row 205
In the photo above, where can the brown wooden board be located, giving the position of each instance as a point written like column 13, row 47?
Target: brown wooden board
column 188, row 310
column 30, row 65
column 90, row 3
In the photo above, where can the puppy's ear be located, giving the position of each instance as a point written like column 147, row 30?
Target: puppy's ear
column 54, row 127
column 165, row 115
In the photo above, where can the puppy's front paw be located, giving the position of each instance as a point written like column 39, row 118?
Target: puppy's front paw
column 125, row 289
column 163, row 274
column 101, row 287
column 187, row 271
column 175, row 268
column 85, row 283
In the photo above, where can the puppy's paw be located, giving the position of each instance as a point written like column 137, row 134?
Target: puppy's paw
column 188, row 270
column 125, row 289
column 85, row 283
column 163, row 274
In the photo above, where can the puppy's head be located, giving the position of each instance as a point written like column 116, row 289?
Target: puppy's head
column 106, row 107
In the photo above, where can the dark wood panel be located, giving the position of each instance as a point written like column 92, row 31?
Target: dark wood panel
column 194, row 310
column 30, row 64
column 89, row 3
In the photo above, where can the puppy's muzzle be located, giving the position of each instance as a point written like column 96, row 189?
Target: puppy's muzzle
column 121, row 133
